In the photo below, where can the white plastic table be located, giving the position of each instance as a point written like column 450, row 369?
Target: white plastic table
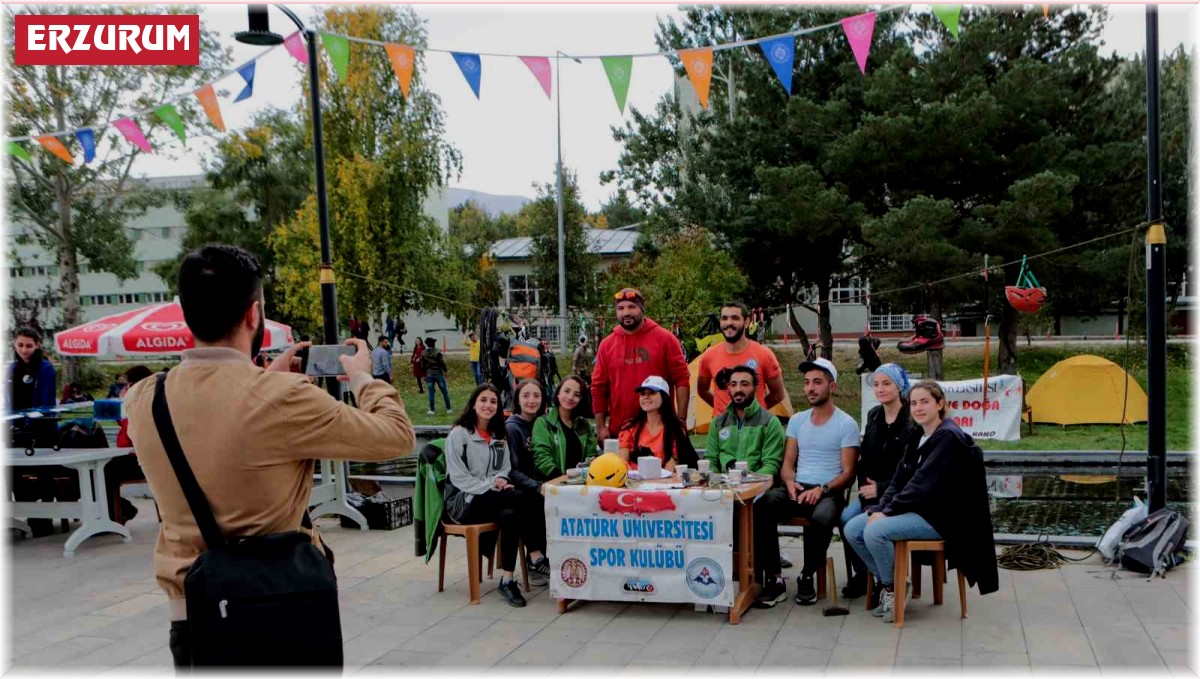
column 91, row 508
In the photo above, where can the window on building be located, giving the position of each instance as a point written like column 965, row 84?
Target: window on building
column 849, row 291
column 546, row 333
column 522, row 291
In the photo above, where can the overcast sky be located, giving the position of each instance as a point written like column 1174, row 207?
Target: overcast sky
column 507, row 137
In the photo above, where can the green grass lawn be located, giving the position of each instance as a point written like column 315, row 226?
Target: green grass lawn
column 959, row 363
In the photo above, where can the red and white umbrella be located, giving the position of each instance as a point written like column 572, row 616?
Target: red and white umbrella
column 156, row 329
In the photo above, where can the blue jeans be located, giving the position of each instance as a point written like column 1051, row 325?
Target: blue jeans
column 477, row 372
column 876, row 543
column 858, row 569
column 440, row 381
column 852, row 510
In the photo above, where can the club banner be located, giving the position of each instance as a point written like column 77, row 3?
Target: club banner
column 619, row 544
column 998, row 417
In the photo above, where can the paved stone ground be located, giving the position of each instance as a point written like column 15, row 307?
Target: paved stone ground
column 101, row 612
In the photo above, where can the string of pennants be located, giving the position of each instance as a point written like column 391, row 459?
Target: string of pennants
column 779, row 51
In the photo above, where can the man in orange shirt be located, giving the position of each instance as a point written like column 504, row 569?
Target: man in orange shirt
column 738, row 349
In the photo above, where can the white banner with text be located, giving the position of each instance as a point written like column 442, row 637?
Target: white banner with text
column 997, row 417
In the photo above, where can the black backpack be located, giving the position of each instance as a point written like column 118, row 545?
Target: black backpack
column 258, row 600
column 1154, row 545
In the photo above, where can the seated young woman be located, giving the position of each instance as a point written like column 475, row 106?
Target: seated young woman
column 524, row 474
column 479, row 489
column 939, row 492
column 562, row 438
column 656, row 430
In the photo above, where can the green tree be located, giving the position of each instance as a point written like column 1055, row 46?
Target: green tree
column 539, row 218
column 619, row 211
column 79, row 212
column 384, row 155
column 476, row 229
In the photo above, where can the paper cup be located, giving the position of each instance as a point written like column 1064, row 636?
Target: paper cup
column 574, row 472
column 705, row 466
column 735, row 476
column 742, row 465
column 611, row 445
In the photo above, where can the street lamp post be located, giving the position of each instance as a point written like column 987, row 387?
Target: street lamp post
column 260, row 34
column 562, row 256
column 1156, row 286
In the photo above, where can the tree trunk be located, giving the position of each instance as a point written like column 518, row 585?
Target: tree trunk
column 933, row 365
column 823, row 325
column 67, row 257
column 1009, row 325
column 796, row 328
column 731, row 93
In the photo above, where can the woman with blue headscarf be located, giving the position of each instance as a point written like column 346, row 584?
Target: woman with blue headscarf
column 883, row 442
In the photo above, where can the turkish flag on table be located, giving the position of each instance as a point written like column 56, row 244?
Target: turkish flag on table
column 636, row 501
column 156, row 329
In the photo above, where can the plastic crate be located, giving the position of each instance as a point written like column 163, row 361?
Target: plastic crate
column 389, row 515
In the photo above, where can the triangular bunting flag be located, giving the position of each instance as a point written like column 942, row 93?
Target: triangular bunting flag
column 540, row 68
column 471, row 67
column 1045, row 11
column 403, row 58
column 208, row 101
column 12, row 148
column 859, row 30
column 133, row 133
column 296, row 47
column 247, row 73
column 619, row 70
column 949, row 15
column 338, row 48
column 53, row 145
column 781, row 54
column 698, row 64
column 87, row 139
column 170, row 116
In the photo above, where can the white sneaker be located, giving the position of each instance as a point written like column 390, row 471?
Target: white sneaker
column 449, row 411
column 887, row 599
column 430, row 413
column 889, row 614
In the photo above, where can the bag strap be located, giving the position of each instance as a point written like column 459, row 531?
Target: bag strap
column 209, row 529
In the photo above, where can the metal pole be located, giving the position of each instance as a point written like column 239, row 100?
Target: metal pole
column 328, row 287
column 1156, row 286
column 562, row 256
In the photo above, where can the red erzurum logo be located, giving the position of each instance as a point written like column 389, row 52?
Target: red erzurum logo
column 107, row 40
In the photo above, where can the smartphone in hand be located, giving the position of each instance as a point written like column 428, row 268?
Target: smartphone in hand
column 323, row 359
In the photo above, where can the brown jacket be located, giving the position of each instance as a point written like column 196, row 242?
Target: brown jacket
column 250, row 436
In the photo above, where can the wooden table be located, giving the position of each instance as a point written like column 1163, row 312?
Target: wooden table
column 91, row 508
column 743, row 553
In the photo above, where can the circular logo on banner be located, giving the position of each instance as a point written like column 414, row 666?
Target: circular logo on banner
column 170, row 326
column 574, row 573
column 98, row 327
column 705, row 578
column 779, row 53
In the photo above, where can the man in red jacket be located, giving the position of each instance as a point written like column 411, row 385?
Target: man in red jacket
column 637, row 348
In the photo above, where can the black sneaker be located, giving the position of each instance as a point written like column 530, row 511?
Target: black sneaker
column 806, row 592
column 773, row 591
column 512, row 594
column 539, row 571
column 855, row 588
column 785, row 563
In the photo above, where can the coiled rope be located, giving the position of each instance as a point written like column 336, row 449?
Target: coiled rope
column 1035, row 556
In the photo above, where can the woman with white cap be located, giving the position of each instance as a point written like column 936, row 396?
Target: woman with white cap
column 656, row 429
column 889, row 425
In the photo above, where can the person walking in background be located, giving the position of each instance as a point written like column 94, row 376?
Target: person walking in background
column 637, row 348
column 581, row 360
column 390, row 329
column 354, row 327
column 381, row 360
column 433, row 361
column 418, row 368
column 472, row 344
column 31, row 377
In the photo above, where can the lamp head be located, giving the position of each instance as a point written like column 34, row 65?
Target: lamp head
column 260, row 29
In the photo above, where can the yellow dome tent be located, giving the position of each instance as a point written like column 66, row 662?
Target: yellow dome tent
column 700, row 413
column 1085, row 390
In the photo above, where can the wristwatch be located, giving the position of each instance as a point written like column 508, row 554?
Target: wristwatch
column 824, row 488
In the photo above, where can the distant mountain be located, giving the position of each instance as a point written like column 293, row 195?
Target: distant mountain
column 492, row 204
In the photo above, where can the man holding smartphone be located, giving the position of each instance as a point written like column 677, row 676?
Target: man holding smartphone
column 250, row 435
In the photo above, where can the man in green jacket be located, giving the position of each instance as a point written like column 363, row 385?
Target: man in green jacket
column 745, row 431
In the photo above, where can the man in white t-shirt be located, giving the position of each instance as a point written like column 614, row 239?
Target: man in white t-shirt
column 820, row 451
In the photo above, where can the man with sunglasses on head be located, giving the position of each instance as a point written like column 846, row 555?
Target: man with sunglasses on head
column 637, row 348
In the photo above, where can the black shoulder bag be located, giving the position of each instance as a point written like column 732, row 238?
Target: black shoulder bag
column 256, row 600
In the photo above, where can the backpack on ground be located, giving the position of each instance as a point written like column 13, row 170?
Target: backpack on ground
column 1154, row 545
